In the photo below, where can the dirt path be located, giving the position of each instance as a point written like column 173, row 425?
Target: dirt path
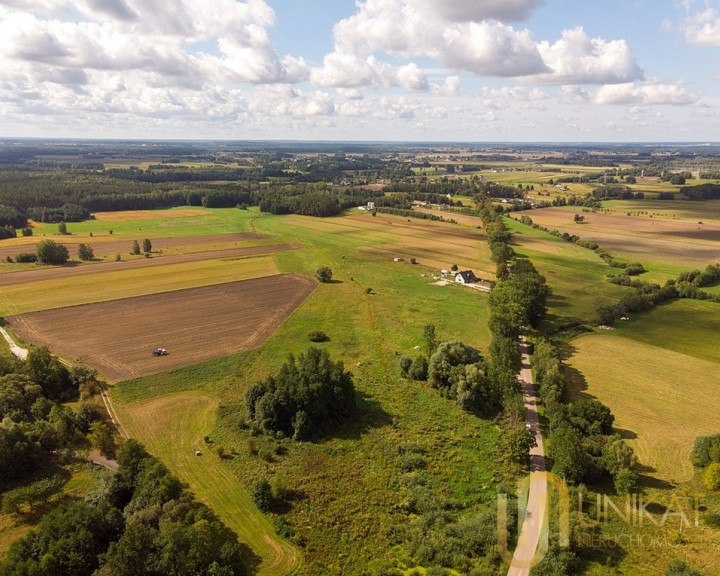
column 14, row 348
column 104, row 462
column 536, row 510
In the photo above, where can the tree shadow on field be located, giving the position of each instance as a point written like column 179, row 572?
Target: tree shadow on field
column 558, row 301
column 369, row 414
column 626, row 434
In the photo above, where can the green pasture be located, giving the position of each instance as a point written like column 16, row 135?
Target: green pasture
column 182, row 221
column 156, row 424
column 576, row 275
column 690, row 327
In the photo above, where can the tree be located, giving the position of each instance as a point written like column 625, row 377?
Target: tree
column 711, row 476
column 324, row 274
column 52, row 253
column 135, row 248
column 568, row 454
column 262, row 495
column 429, row 339
column 147, row 246
column 101, row 438
column 579, row 218
column 85, row 252
column 62, row 229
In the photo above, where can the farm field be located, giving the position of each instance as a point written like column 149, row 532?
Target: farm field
column 75, row 289
column 662, row 399
column 116, row 337
column 350, row 482
column 680, row 243
column 111, row 245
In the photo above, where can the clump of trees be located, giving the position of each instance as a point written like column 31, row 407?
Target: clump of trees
column 458, row 371
column 142, row 522
column 306, row 397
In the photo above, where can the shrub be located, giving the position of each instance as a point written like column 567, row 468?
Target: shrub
column 324, row 274
column 410, row 461
column 317, row 336
column 26, row 257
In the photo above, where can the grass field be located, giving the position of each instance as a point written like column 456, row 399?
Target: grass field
column 155, row 423
column 661, row 399
column 349, row 483
column 183, row 221
column 577, row 276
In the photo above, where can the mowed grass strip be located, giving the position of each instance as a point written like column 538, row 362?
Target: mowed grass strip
column 664, row 399
column 154, row 422
column 103, row 286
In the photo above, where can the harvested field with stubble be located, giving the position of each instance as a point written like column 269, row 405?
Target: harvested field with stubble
column 685, row 243
column 118, row 336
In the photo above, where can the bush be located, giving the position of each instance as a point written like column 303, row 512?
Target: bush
column 324, row 274
column 317, row 336
column 25, row 257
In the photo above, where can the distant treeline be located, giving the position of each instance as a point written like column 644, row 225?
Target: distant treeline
column 701, row 192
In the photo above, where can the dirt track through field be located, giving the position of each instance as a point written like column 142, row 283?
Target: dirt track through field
column 118, row 336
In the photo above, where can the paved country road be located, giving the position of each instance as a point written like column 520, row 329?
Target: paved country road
column 535, row 516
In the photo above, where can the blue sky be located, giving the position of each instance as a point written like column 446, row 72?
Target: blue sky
column 450, row 70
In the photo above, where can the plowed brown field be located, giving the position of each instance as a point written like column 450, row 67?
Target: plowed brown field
column 117, row 337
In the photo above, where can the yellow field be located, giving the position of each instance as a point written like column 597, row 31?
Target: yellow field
column 154, row 423
column 103, row 286
column 662, row 399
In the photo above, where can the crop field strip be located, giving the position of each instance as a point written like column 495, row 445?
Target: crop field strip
column 45, row 273
column 111, row 244
column 117, row 336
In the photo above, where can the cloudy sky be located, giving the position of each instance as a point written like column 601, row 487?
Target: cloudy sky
column 451, row 70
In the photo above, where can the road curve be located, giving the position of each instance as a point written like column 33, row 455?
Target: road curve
column 536, row 510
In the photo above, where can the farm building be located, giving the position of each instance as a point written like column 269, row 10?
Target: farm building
column 465, row 277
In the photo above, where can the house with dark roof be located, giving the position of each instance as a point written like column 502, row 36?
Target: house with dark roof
column 465, row 277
